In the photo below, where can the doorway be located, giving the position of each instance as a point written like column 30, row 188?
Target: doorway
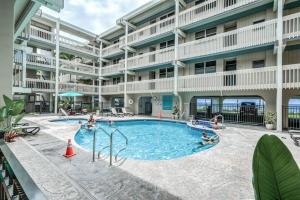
column 145, row 106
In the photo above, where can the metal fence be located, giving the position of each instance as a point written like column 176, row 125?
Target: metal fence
column 292, row 116
column 232, row 113
column 37, row 107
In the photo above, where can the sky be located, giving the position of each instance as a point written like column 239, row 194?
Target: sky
column 95, row 15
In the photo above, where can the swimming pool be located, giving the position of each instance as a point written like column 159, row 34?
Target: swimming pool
column 147, row 139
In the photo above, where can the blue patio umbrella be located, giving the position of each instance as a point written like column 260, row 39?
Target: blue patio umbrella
column 70, row 94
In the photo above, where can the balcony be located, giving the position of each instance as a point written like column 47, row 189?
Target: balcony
column 213, row 8
column 258, row 35
column 155, row 86
column 113, row 69
column 39, row 60
column 247, row 79
column 42, row 35
column 291, row 26
column 78, row 68
column 154, row 58
column 65, row 42
column 111, row 51
column 40, row 85
column 77, row 87
column 151, row 32
column 78, row 46
column 112, row 89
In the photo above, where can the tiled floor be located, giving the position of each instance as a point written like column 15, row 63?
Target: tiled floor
column 222, row 172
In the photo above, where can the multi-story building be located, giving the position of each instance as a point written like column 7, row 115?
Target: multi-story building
column 55, row 57
column 234, row 57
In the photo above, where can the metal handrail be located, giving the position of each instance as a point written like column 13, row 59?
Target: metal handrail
column 110, row 146
column 126, row 143
column 222, row 117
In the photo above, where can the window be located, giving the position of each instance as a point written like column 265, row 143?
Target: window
column 170, row 72
column 258, row 63
column 210, row 67
column 211, row 31
column 162, row 73
column 116, row 41
column 166, row 44
column 206, row 33
column 206, row 67
column 116, row 61
column 151, row 75
column 199, row 68
column 116, row 80
column 166, row 72
column 140, row 78
column 199, row 35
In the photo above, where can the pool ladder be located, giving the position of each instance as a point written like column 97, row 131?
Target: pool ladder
column 222, row 119
column 110, row 146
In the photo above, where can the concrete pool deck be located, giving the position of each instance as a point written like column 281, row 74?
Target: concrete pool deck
column 219, row 173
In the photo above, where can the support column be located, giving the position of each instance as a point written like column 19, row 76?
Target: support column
column 57, row 66
column 24, row 67
column 279, row 65
column 175, row 63
column 126, row 64
column 6, row 46
column 93, row 97
column 100, row 75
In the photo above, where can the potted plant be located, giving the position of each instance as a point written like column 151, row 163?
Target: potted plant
column 10, row 115
column 270, row 120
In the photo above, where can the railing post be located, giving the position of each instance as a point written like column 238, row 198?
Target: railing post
column 110, row 148
column 279, row 65
column 57, row 65
column 94, row 144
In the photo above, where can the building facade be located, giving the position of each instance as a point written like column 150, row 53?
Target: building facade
column 238, row 58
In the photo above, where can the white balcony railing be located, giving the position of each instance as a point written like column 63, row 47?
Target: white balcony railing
column 246, row 79
column 155, row 85
column 149, row 31
column 152, row 58
column 208, row 9
column 291, row 26
column 82, row 88
column 113, row 69
column 41, row 34
column 291, row 76
column 78, row 67
column 40, row 60
column 40, row 85
column 250, row 36
column 112, row 89
column 111, row 50
column 78, row 46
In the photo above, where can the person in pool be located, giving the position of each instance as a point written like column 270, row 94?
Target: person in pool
column 215, row 122
column 206, row 139
column 91, row 121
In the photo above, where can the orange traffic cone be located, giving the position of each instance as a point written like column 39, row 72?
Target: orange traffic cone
column 69, row 151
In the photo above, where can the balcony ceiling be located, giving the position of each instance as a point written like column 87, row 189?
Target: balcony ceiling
column 148, row 10
column 24, row 10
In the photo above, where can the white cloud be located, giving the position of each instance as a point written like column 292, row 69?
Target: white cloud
column 96, row 15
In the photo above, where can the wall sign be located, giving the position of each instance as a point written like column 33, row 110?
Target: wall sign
column 167, row 103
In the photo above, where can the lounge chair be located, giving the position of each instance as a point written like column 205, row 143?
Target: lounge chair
column 115, row 113
column 295, row 136
column 126, row 113
column 29, row 130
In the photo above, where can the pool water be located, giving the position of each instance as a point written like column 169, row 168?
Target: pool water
column 147, row 139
